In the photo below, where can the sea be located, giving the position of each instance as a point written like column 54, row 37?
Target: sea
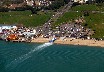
column 48, row 57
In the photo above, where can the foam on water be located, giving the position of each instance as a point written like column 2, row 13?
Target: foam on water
column 20, row 59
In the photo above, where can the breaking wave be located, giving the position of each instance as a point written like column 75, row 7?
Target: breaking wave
column 22, row 58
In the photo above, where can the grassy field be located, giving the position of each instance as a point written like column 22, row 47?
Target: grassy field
column 101, row 6
column 95, row 21
column 85, row 7
column 24, row 17
column 90, row 7
column 67, row 17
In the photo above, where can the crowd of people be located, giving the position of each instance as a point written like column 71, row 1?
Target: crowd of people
column 75, row 30
column 16, row 33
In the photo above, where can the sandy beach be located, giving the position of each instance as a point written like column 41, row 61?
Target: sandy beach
column 71, row 41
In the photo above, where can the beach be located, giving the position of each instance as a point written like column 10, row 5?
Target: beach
column 71, row 41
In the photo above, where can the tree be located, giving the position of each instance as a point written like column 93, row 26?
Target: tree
column 99, row 1
column 66, row 1
column 32, row 9
column 13, row 1
column 56, row 4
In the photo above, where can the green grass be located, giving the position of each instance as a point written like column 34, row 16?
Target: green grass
column 85, row 7
column 101, row 8
column 94, row 21
column 24, row 17
column 67, row 17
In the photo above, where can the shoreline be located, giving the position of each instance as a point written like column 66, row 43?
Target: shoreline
column 71, row 41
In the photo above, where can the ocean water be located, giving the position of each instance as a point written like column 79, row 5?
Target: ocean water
column 33, row 57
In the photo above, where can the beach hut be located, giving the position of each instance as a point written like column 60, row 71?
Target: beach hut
column 6, row 27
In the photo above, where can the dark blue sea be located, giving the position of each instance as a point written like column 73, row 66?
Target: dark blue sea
column 33, row 57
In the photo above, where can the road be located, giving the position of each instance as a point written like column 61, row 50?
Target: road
column 48, row 25
column 60, row 13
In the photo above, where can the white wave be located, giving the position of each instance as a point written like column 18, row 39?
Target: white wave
column 20, row 59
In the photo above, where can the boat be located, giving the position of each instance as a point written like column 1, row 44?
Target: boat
column 52, row 40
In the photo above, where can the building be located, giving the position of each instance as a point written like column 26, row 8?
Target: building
column 30, row 2
column 13, row 6
column 82, row 1
column 1, row 3
column 43, row 2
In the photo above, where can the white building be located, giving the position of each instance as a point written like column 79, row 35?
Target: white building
column 29, row 2
column 8, row 27
column 80, row 1
column 43, row 2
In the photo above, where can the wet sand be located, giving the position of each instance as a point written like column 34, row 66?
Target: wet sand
column 71, row 41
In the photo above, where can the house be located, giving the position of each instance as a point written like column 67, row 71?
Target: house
column 81, row 1
column 30, row 2
column 8, row 27
column 1, row 3
column 13, row 6
column 43, row 2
